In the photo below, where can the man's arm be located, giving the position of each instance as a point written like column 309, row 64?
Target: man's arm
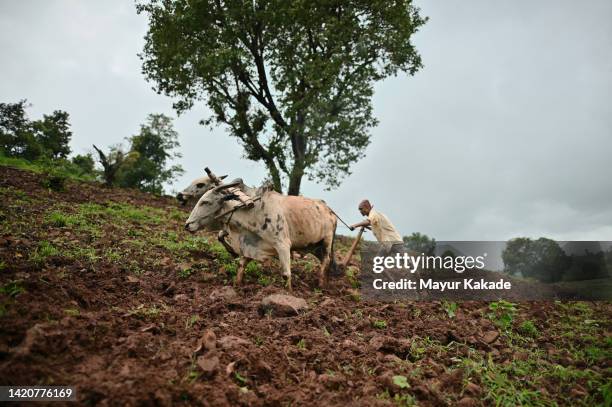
column 364, row 223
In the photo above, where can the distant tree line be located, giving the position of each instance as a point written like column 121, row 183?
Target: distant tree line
column 541, row 259
column 544, row 260
column 144, row 165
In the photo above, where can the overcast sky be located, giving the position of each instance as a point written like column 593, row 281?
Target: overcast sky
column 507, row 131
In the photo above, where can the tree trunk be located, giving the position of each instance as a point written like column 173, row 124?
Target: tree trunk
column 276, row 179
column 295, row 181
column 298, row 145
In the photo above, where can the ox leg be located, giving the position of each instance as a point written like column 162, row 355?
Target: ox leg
column 325, row 262
column 240, row 274
column 284, row 255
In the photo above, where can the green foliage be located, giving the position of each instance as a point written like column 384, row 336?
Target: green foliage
column 242, row 380
column 43, row 252
column 31, row 140
column 185, row 272
column 58, row 219
column 606, row 392
column 17, row 137
column 83, row 253
column 148, row 313
column 400, row 400
column 401, row 381
column 301, row 344
column 12, row 288
column 541, row 259
column 420, row 243
column 122, row 212
column 223, row 256
column 291, row 80
column 528, row 328
column 379, row 324
column 191, row 321
column 112, row 162
column 55, row 168
column 53, row 133
column 450, row 308
column 252, row 267
column 499, row 387
column 351, row 276
column 74, row 312
column 146, row 163
column 85, row 163
column 55, row 180
column 502, row 313
column 151, row 150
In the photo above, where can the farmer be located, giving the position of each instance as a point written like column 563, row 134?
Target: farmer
column 382, row 228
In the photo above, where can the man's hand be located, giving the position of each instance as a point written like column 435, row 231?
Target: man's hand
column 352, row 228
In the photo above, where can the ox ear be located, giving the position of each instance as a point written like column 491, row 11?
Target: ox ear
column 222, row 177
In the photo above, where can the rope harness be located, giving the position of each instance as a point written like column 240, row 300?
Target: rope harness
column 230, row 212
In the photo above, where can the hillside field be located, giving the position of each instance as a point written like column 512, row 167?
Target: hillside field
column 103, row 289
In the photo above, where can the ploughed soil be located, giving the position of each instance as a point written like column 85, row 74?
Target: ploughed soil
column 102, row 289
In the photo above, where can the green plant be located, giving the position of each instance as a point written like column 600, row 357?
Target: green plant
column 265, row 280
column 379, row 324
column 252, row 267
column 12, row 288
column 112, row 255
column 606, row 393
column 55, row 180
column 191, row 321
column 401, row 381
column 222, row 255
column 301, row 344
column 43, row 252
column 57, row 219
column 502, row 313
column 72, row 312
column 83, row 253
column 240, row 378
column 185, row 272
column 450, row 308
column 528, row 328
column 351, row 276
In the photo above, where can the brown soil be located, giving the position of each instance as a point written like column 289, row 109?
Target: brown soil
column 126, row 338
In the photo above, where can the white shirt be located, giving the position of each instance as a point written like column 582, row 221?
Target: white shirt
column 382, row 228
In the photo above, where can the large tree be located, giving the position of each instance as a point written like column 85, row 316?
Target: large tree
column 17, row 137
column 292, row 80
column 146, row 164
column 53, row 133
column 20, row 137
column 542, row 259
column 152, row 150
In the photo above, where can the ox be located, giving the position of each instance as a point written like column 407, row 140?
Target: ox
column 196, row 189
column 276, row 225
column 199, row 187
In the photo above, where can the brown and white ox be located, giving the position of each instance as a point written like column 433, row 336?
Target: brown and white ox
column 275, row 226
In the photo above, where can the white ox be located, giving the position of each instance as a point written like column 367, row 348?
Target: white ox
column 194, row 192
column 276, row 225
column 196, row 189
